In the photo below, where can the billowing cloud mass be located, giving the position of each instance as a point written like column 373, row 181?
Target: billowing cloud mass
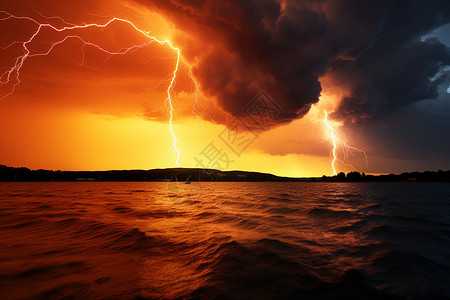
column 401, row 67
column 374, row 50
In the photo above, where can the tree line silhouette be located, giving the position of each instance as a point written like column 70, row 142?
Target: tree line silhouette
column 427, row 176
column 194, row 174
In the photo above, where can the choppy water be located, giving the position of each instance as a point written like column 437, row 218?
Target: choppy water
column 97, row 240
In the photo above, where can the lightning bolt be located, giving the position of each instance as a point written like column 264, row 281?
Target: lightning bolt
column 342, row 142
column 169, row 100
column 14, row 72
column 195, row 103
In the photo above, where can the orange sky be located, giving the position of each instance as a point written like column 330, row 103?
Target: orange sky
column 95, row 112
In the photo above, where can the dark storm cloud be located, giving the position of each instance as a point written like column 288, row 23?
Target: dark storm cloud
column 242, row 47
column 401, row 67
column 371, row 48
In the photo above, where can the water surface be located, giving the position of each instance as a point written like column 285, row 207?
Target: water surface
column 103, row 240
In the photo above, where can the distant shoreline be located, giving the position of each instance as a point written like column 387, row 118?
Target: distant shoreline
column 11, row 174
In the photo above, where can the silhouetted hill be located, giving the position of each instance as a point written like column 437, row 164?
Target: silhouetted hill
column 175, row 174
column 195, row 174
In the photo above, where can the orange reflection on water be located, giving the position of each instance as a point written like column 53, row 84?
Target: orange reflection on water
column 172, row 240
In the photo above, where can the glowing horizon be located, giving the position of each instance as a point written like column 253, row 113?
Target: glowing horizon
column 15, row 70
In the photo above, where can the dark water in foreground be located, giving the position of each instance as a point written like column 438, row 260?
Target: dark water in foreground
column 224, row 240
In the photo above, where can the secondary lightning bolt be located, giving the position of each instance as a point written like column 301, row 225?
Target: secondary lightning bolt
column 337, row 141
column 14, row 71
column 197, row 102
column 169, row 100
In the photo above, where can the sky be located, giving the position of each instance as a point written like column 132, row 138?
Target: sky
column 254, row 83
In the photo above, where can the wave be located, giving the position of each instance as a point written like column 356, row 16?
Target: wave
column 330, row 213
